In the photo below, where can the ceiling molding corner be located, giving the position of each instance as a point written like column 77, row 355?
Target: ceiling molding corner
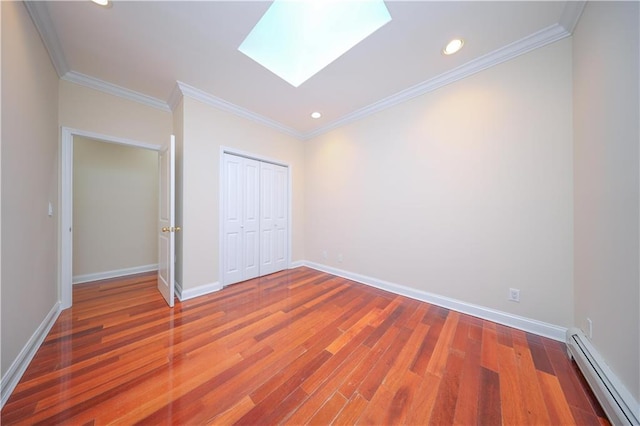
column 113, row 89
column 221, row 104
column 40, row 17
column 536, row 40
column 175, row 97
column 571, row 14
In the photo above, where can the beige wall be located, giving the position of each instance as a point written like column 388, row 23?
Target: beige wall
column 29, row 182
column 115, row 207
column 205, row 130
column 606, row 116
column 463, row 192
column 94, row 111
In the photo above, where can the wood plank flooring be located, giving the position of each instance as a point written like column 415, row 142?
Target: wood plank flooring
column 295, row 347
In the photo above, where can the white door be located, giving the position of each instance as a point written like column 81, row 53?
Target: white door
column 232, row 194
column 273, row 214
column 267, row 224
column 280, row 217
column 255, row 238
column 241, row 218
column 166, row 221
column 251, row 219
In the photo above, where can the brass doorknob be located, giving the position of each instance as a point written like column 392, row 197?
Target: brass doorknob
column 165, row 229
column 177, row 229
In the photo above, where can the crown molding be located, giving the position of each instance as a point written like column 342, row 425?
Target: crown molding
column 219, row 103
column 175, row 97
column 571, row 14
column 113, row 89
column 40, row 17
column 564, row 28
column 536, row 40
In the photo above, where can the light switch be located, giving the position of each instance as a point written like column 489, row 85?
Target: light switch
column 50, row 209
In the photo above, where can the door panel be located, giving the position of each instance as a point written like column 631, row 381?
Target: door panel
column 281, row 210
column 166, row 221
column 267, row 224
column 251, row 218
column 232, row 219
column 250, row 252
column 233, row 246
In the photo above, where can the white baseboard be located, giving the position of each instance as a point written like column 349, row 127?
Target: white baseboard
column 178, row 290
column 79, row 279
column 11, row 378
column 616, row 400
column 190, row 293
column 210, row 288
column 521, row 323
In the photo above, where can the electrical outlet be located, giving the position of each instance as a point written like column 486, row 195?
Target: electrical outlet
column 514, row 295
column 324, row 254
column 589, row 328
column 340, row 258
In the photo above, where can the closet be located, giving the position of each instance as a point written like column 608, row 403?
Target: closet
column 255, row 218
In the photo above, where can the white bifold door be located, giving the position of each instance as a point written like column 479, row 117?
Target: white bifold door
column 255, row 218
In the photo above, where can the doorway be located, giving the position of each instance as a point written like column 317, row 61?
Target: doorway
column 115, row 198
column 66, row 201
column 255, row 204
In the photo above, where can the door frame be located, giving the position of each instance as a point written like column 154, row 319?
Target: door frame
column 252, row 156
column 65, row 201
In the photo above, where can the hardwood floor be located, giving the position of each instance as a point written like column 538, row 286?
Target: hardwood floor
column 296, row 347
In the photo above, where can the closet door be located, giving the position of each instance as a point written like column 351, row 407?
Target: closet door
column 267, row 222
column 280, row 217
column 255, row 238
column 251, row 219
column 241, row 219
column 232, row 189
column 273, row 218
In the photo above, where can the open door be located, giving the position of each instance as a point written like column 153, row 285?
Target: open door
column 166, row 221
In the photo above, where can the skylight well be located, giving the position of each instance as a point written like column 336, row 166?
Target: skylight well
column 297, row 39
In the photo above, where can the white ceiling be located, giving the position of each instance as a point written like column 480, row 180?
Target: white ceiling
column 148, row 46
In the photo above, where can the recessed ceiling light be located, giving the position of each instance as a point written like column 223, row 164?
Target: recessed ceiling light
column 296, row 39
column 453, row 46
column 316, row 115
column 101, row 2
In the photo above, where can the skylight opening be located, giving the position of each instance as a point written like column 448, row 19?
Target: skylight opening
column 297, row 39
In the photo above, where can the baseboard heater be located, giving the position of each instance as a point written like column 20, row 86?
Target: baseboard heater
column 616, row 401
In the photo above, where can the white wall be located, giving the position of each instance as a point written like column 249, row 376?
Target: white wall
column 115, row 207
column 205, row 130
column 29, row 182
column 463, row 192
column 606, row 158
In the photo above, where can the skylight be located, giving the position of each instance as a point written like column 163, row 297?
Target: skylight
column 296, row 39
